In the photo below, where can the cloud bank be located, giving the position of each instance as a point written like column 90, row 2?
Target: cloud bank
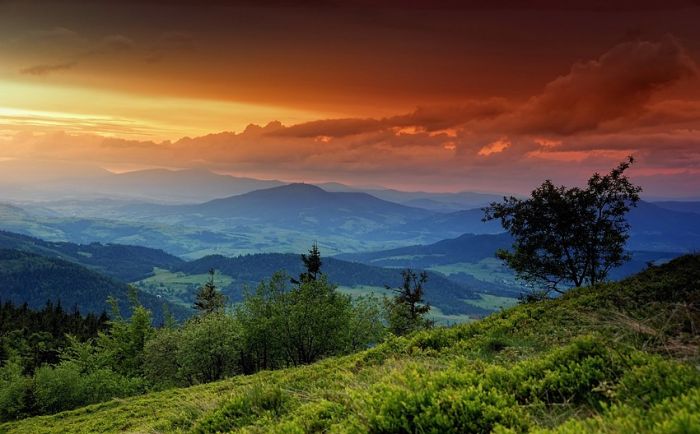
column 587, row 119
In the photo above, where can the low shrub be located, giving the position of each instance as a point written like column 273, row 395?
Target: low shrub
column 259, row 404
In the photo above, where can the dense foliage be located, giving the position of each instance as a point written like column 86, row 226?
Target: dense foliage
column 37, row 337
column 619, row 358
column 278, row 325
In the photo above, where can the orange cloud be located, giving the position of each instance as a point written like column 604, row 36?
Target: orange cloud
column 586, row 120
column 496, row 147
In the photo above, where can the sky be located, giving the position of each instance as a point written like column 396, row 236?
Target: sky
column 439, row 95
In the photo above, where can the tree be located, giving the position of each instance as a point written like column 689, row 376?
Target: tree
column 568, row 236
column 315, row 318
column 121, row 348
column 261, row 319
column 407, row 310
column 312, row 263
column 365, row 326
column 208, row 348
column 209, row 299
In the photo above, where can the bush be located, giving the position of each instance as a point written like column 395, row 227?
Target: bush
column 64, row 387
column 678, row 415
column 208, row 348
column 15, row 390
column 160, row 363
column 572, row 374
column 258, row 404
column 314, row 417
column 58, row 388
column 653, row 379
column 449, row 402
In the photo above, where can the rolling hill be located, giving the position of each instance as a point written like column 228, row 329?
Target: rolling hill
column 440, row 202
column 470, row 259
column 290, row 217
column 465, row 248
column 450, row 297
column 50, row 181
column 33, row 279
column 124, row 262
column 660, row 229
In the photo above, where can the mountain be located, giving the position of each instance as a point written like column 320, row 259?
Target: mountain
column 124, row 262
column 684, row 206
column 295, row 206
column 661, row 229
column 449, row 296
column 187, row 185
column 289, row 218
column 440, row 202
column 456, row 223
column 33, row 279
column 470, row 259
column 50, row 181
column 465, row 248
column 653, row 228
column 621, row 358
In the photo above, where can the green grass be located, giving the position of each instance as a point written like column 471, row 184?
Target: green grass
column 620, row 358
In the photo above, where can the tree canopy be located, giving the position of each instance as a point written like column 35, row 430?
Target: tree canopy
column 567, row 237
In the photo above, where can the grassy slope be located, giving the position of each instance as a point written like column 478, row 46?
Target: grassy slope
column 619, row 359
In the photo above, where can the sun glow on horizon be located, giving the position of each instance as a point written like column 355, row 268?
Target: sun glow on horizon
column 43, row 107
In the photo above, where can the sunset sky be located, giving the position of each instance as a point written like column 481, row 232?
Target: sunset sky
column 422, row 95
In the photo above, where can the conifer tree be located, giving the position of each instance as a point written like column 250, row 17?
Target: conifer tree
column 312, row 263
column 209, row 298
column 407, row 310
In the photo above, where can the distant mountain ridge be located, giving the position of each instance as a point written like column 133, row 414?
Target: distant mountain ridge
column 683, row 206
column 32, row 180
column 439, row 202
column 294, row 206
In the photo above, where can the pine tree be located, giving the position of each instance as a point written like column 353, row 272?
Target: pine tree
column 407, row 310
column 209, row 299
column 312, row 263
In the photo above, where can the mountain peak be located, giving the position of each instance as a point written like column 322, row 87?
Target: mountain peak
column 301, row 186
column 296, row 189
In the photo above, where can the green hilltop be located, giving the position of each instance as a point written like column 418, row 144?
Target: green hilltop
column 619, row 358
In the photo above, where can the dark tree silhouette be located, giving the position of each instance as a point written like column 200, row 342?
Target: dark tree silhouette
column 312, row 263
column 568, row 236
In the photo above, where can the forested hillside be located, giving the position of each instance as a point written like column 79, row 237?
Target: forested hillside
column 449, row 296
column 34, row 279
column 124, row 262
column 619, row 358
